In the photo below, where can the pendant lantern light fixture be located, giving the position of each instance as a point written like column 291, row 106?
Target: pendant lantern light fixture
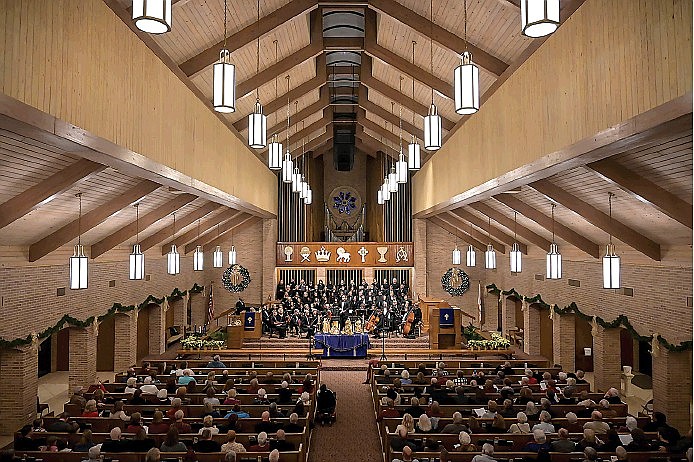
column 516, row 254
column 456, row 252
column 137, row 258
column 257, row 121
column 79, row 274
column 539, row 17
column 217, row 255
column 490, row 254
column 296, row 180
column 466, row 79
column 224, row 77
column 414, row 154
column 152, row 16
column 401, row 166
column 470, row 257
column 287, row 167
column 173, row 258
column 275, row 148
column 392, row 180
column 611, row 271
column 232, row 252
column 379, row 195
column 553, row 256
column 432, row 122
column 198, row 255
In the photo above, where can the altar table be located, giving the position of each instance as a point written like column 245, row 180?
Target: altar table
column 340, row 346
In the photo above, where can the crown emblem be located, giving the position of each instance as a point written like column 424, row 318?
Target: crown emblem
column 322, row 254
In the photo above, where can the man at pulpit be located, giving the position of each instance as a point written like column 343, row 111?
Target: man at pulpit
column 240, row 306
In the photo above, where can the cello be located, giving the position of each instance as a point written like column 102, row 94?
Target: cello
column 408, row 323
column 373, row 321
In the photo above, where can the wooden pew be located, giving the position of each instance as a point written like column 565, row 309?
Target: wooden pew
column 287, row 456
column 555, row 456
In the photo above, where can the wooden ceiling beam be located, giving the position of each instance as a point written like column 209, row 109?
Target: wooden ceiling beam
column 190, row 235
column 376, row 145
column 564, row 232
column 599, row 219
column 481, row 237
column 451, row 228
column 472, row 219
column 46, row 190
column 89, row 220
column 248, row 34
column 129, row 230
column 439, row 35
column 644, row 190
column 213, row 232
column 326, row 120
column 181, row 223
column 374, row 127
column 322, row 103
column 322, row 149
column 507, row 222
column 245, row 222
column 374, row 108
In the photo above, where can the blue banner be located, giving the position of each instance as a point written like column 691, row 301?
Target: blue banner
column 445, row 317
column 248, row 320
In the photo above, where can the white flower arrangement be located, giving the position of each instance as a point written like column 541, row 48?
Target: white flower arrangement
column 196, row 343
column 497, row 342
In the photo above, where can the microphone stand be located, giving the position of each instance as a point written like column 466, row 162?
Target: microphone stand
column 383, row 348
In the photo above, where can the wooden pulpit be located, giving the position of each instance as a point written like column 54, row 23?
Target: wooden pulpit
column 445, row 327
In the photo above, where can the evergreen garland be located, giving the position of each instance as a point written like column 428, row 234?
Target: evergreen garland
column 176, row 294
column 448, row 287
column 572, row 308
column 229, row 284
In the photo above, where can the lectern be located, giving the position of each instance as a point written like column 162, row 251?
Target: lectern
column 445, row 327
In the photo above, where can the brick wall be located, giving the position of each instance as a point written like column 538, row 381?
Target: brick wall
column 17, row 388
column 606, row 358
column 672, row 387
column 564, row 340
column 125, row 354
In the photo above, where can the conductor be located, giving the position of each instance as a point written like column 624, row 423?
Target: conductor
column 240, row 306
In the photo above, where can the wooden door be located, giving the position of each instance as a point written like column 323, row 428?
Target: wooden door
column 105, row 345
column 142, row 333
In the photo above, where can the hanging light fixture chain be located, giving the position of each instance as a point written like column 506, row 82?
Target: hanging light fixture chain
column 609, row 198
column 257, row 58
column 276, row 54
column 137, row 223
column 431, row 44
column 553, row 205
column 401, row 79
column 225, row 24
column 288, row 110
column 79, row 220
column 515, row 225
column 465, row 23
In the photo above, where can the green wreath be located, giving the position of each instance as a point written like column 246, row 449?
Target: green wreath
column 236, row 278
column 455, row 282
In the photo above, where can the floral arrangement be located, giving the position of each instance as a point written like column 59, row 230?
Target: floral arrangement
column 198, row 343
column 497, row 342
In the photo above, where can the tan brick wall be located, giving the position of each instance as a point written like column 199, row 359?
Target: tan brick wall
column 419, row 273
column 18, row 388
column 157, row 342
column 606, row 358
column 531, row 336
column 125, row 352
column 672, row 387
column 82, row 357
column 564, row 341
column 269, row 231
column 355, row 178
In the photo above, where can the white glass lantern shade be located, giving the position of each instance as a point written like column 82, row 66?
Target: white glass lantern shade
column 173, row 261
column 539, row 17
column 490, row 257
column 78, row 269
column 380, row 196
column 392, row 181
column 553, row 262
column 232, row 256
column 401, row 169
column 137, row 264
column 304, row 188
column 217, row 257
column 257, row 128
column 432, row 129
column 224, row 84
column 611, row 277
column 456, row 256
column 470, row 257
column 414, row 155
column 274, row 154
column 287, row 168
column 516, row 258
column 152, row 16
column 308, row 200
column 467, row 86
column 198, row 258
column 296, row 181
column 385, row 190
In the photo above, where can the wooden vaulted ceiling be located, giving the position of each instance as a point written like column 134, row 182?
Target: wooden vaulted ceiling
column 390, row 26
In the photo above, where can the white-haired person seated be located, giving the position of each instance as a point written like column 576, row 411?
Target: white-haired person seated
column 274, row 456
column 606, row 409
column 612, row 396
column 465, row 443
column 596, row 423
column 538, row 444
column 263, row 445
column 405, row 377
column 130, row 386
column 456, row 426
column 424, row 424
column 208, row 422
column 153, row 455
column 94, row 454
column 590, row 455
column 545, row 423
column 149, row 388
column 262, row 397
column 487, row 454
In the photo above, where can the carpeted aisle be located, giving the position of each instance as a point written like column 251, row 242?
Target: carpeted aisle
column 354, row 436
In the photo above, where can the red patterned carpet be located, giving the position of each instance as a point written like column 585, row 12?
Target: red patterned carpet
column 354, row 437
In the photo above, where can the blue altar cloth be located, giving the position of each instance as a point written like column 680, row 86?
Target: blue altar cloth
column 335, row 346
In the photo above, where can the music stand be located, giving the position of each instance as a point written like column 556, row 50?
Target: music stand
column 383, row 348
column 310, row 355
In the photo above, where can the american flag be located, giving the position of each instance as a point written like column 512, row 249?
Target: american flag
column 480, row 306
column 210, row 307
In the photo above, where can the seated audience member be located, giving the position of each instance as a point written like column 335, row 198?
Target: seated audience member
column 456, row 426
column 176, row 405
column 487, row 453
column 532, row 412
column 293, row 425
column 301, row 406
column 572, row 423
column 37, row 426
column 153, row 455
column 130, row 386
column 611, row 441
column 524, row 396
column 206, row 443
column 590, row 454
column 231, row 397
column 94, row 454
column 135, row 423
column 435, row 414
column 606, row 409
column 137, row 399
column 423, row 424
column 158, row 426
column 140, row 443
column 78, row 397
column 596, row 423
column 405, row 377
column 585, row 401
column 231, row 444
column 208, row 409
column 210, row 397
column 230, row 424
column 658, row 421
column 580, row 377
column 630, row 423
column 667, row 440
column 521, row 426
column 182, row 392
column 415, row 410
column 639, row 442
column 186, row 378
column 545, row 423
column 539, row 443
column 275, row 411
column 118, row 412
column 400, row 440
column 240, row 413
column 261, row 398
column 498, row 425
column 589, row 440
column 171, row 442
column 265, row 425
column 531, row 377
column 149, row 388
column 84, row 443
column 216, row 363
column 406, row 455
column 208, row 423
column 63, row 425
column 263, row 445
column 284, row 393
column 473, row 425
column 180, row 425
column 465, row 443
column 387, row 410
column 507, row 409
column 325, row 404
column 280, row 442
column 90, row 409
column 114, row 444
column 567, row 396
column 274, row 456
column 492, row 409
column 563, row 443
column 612, row 396
column 408, row 422
column 621, row 453
column 23, row 442
column 253, row 387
